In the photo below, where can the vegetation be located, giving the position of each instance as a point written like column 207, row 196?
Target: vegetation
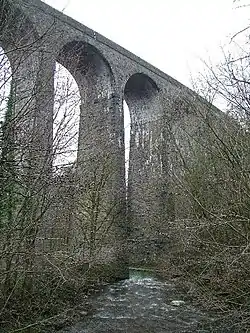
column 56, row 226
column 210, row 236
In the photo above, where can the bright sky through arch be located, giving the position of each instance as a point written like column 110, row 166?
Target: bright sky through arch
column 173, row 35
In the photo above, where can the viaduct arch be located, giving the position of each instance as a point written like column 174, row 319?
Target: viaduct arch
column 37, row 37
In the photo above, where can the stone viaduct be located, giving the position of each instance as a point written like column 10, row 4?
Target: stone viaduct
column 35, row 37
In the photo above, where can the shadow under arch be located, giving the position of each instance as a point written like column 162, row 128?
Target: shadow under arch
column 17, row 32
column 141, row 95
column 86, row 64
column 140, row 85
column 22, row 45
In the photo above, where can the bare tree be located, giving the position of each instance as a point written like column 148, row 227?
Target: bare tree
column 49, row 213
column 29, row 179
column 210, row 179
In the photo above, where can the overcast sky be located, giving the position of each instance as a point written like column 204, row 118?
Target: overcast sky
column 173, row 35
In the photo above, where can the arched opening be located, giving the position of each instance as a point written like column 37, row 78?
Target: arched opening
column 94, row 79
column 22, row 44
column 66, row 115
column 140, row 94
column 142, row 97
